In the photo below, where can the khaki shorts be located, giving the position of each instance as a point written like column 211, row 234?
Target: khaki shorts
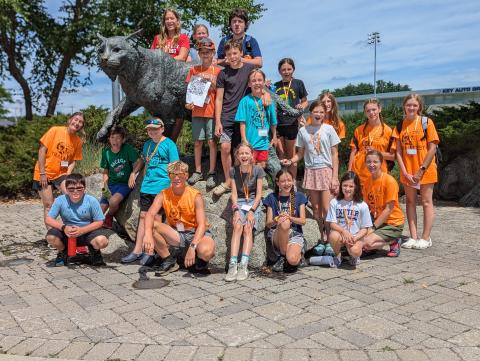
column 388, row 232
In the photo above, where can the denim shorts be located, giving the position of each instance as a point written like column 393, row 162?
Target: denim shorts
column 243, row 213
column 186, row 237
column 293, row 238
column 123, row 189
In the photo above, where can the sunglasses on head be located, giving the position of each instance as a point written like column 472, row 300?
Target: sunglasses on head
column 153, row 122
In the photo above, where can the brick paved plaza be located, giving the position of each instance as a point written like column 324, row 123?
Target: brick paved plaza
column 424, row 305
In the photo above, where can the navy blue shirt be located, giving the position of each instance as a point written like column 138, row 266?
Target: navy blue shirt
column 281, row 204
column 250, row 47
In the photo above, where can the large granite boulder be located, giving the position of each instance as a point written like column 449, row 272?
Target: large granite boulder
column 459, row 178
column 219, row 215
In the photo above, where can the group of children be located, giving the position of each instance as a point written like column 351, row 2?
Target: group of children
column 359, row 212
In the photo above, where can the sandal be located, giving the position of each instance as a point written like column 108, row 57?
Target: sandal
column 221, row 189
column 194, row 178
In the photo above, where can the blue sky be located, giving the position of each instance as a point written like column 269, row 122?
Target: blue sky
column 426, row 44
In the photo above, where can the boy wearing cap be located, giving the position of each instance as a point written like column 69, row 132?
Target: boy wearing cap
column 157, row 153
column 203, row 117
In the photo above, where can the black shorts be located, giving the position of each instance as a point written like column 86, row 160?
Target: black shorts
column 83, row 240
column 288, row 131
column 36, row 186
column 231, row 133
column 145, row 201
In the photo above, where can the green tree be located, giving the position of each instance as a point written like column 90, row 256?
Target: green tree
column 5, row 97
column 367, row 88
column 43, row 52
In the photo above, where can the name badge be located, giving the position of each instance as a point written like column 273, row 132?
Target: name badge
column 263, row 132
column 64, row 163
column 172, row 50
column 246, row 207
column 411, row 151
column 180, row 227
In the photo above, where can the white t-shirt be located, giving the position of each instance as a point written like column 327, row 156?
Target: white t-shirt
column 317, row 140
column 357, row 215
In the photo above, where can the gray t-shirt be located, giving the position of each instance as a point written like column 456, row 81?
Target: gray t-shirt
column 250, row 180
column 357, row 214
column 317, row 140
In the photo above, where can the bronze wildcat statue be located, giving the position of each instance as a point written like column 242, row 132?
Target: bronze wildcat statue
column 149, row 79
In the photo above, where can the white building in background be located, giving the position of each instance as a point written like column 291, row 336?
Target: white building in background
column 433, row 98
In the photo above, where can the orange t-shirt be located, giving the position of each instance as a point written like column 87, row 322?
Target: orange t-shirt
column 208, row 109
column 373, row 137
column 378, row 192
column 412, row 141
column 341, row 132
column 61, row 146
column 180, row 209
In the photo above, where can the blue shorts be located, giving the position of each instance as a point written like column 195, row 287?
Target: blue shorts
column 123, row 189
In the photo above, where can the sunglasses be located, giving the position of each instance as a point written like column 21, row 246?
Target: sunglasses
column 153, row 122
column 205, row 45
column 75, row 189
column 173, row 175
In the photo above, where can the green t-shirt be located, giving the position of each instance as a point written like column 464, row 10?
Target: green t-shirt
column 120, row 164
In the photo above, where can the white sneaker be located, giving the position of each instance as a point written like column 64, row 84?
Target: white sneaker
column 242, row 274
column 423, row 243
column 232, row 273
column 411, row 243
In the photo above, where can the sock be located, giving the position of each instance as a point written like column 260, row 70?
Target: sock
column 245, row 258
column 233, row 259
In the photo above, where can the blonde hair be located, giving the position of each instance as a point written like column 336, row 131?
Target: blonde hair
column 334, row 117
column 237, row 150
column 176, row 166
column 163, row 35
column 416, row 97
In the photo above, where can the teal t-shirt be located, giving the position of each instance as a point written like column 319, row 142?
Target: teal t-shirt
column 250, row 111
column 120, row 164
column 156, row 177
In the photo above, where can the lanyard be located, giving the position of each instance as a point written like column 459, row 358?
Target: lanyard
column 150, row 155
column 260, row 110
column 287, row 92
column 315, row 140
column 247, row 178
column 289, row 204
column 349, row 220
column 372, row 134
column 407, row 131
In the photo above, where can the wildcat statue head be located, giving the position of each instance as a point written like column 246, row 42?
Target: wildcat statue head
column 117, row 53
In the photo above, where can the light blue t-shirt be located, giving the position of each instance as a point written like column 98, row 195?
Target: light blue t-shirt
column 82, row 213
column 357, row 214
column 317, row 140
column 248, row 113
column 156, row 177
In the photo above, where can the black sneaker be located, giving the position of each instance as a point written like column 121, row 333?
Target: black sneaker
column 60, row 260
column 96, row 258
column 278, row 266
column 288, row 268
column 169, row 264
column 200, row 267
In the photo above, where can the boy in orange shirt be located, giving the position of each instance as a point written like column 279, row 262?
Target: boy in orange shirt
column 381, row 194
column 186, row 225
column 202, row 117
column 416, row 146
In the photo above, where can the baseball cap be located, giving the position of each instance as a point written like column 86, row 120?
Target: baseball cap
column 154, row 123
column 205, row 43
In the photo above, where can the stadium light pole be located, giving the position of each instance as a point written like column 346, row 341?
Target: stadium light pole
column 374, row 38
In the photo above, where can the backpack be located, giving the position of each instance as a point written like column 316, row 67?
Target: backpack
column 438, row 153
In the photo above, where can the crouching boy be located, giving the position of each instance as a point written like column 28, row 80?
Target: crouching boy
column 82, row 219
column 186, row 225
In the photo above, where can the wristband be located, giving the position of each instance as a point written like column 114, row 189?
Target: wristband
column 234, row 206
column 43, row 173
